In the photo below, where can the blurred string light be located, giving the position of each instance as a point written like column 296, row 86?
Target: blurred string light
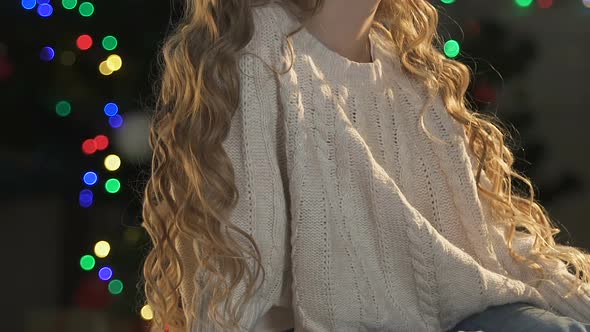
column 523, row 3
column 68, row 58
column 112, row 162
column 84, row 42
column 112, row 186
column 63, row 108
column 28, row 4
column 69, row 4
column 146, row 312
column 115, row 286
column 452, row 48
column 42, row 1
column 102, row 249
column 86, row 9
column 116, row 121
column 87, row 262
column 90, row 178
column 545, row 4
column 86, row 198
column 102, row 142
column 447, row 2
column 109, row 43
column 47, row 53
column 105, row 273
column 114, row 62
column 104, row 69
column 45, row 10
column 89, row 146
column 111, row 109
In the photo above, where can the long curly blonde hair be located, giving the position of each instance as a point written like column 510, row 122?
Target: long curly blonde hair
column 192, row 188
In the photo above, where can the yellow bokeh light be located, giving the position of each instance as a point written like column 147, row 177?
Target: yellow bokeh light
column 102, row 249
column 112, row 162
column 146, row 312
column 114, row 62
column 104, row 69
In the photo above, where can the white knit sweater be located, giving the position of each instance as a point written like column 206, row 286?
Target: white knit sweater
column 363, row 222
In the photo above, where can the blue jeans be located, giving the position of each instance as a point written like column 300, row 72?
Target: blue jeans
column 519, row 317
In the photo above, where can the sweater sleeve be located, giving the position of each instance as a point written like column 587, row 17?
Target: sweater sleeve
column 557, row 282
column 256, row 150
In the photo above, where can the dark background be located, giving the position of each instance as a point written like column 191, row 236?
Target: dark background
column 530, row 68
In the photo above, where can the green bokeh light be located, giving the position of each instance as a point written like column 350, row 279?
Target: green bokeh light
column 524, row 3
column 115, row 286
column 447, row 2
column 109, row 43
column 86, row 9
column 112, row 186
column 69, row 4
column 452, row 48
column 63, row 108
column 87, row 262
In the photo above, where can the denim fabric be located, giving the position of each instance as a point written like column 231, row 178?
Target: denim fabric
column 519, row 317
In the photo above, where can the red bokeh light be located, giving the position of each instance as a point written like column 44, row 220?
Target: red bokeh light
column 84, row 42
column 102, row 142
column 89, row 146
column 545, row 4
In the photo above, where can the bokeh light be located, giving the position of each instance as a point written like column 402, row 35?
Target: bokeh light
column 104, row 68
column 28, row 4
column 102, row 142
column 86, row 9
column 69, row 4
column 47, row 53
column 90, row 178
column 452, row 48
column 86, row 198
column 115, row 286
column 146, row 312
column 112, row 162
column 68, row 58
column 89, row 146
column 111, row 109
column 112, row 186
column 114, row 62
column 87, row 262
column 45, row 10
column 109, row 43
column 524, row 3
column 63, row 108
column 105, row 273
column 84, row 42
column 116, row 121
column 102, row 249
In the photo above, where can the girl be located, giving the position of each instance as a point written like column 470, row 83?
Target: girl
column 316, row 168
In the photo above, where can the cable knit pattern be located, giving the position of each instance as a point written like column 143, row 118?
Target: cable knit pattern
column 363, row 222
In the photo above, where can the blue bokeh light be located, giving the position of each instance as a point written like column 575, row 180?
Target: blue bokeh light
column 28, row 4
column 45, row 10
column 42, row 1
column 105, row 273
column 86, row 197
column 90, row 178
column 111, row 109
column 47, row 53
column 116, row 121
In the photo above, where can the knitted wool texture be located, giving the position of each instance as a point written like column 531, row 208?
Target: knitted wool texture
column 363, row 222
